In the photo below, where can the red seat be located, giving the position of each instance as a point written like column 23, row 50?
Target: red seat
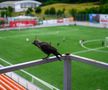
column 2, row 88
column 14, row 85
column 6, row 85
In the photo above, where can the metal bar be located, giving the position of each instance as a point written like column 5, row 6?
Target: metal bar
column 67, row 66
column 27, row 64
column 89, row 61
column 52, row 59
column 67, row 73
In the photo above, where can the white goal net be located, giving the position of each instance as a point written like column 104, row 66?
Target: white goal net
column 106, row 41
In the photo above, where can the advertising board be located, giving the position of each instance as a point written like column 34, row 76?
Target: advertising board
column 24, row 23
column 103, row 18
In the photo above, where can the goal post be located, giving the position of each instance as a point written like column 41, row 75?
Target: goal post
column 106, row 42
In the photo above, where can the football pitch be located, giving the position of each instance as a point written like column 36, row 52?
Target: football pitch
column 15, row 48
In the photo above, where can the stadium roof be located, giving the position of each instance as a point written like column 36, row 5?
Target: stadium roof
column 19, row 1
column 9, row 2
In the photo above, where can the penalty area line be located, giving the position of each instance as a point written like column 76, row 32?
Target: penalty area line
column 92, row 49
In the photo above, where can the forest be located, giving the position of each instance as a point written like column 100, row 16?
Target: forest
column 72, row 1
column 65, row 1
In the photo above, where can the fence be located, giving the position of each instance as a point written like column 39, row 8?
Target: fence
column 91, row 19
column 31, row 82
column 22, row 81
column 67, row 66
column 78, row 19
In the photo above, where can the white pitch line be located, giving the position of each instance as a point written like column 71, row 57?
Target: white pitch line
column 83, row 51
column 82, row 44
column 92, row 49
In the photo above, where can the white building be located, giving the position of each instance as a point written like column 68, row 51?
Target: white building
column 20, row 5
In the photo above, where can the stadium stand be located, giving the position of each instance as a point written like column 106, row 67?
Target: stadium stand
column 2, row 88
column 7, row 83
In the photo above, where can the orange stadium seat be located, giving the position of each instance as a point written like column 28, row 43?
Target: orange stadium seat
column 14, row 85
column 6, row 85
column 2, row 88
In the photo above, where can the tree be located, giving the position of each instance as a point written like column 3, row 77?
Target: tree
column 29, row 11
column 52, row 11
column 9, row 11
column 38, row 10
column 64, row 1
column 47, row 12
column 73, row 12
column 61, row 12
column 103, row 9
column 3, row 13
column 103, row 1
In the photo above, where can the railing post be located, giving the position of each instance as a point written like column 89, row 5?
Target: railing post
column 67, row 73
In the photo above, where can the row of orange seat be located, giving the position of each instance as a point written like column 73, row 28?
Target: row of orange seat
column 7, row 83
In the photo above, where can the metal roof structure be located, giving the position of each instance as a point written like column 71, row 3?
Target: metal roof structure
column 20, row 1
column 20, row 4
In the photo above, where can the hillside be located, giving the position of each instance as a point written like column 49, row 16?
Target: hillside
column 61, row 6
column 67, row 7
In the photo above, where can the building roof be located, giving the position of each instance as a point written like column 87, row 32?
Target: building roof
column 8, row 2
column 20, row 1
column 24, row 17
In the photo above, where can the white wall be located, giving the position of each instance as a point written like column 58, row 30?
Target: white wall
column 17, row 8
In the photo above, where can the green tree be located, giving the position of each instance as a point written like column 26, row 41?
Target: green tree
column 29, row 11
column 104, row 1
column 47, row 12
column 52, row 11
column 61, row 12
column 103, row 9
column 3, row 13
column 73, row 12
column 9, row 11
column 38, row 10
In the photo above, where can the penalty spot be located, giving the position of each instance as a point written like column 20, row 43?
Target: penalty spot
column 27, row 39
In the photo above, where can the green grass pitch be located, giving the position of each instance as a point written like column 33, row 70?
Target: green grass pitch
column 15, row 49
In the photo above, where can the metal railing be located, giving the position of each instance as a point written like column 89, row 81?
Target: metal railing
column 67, row 66
column 22, row 81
